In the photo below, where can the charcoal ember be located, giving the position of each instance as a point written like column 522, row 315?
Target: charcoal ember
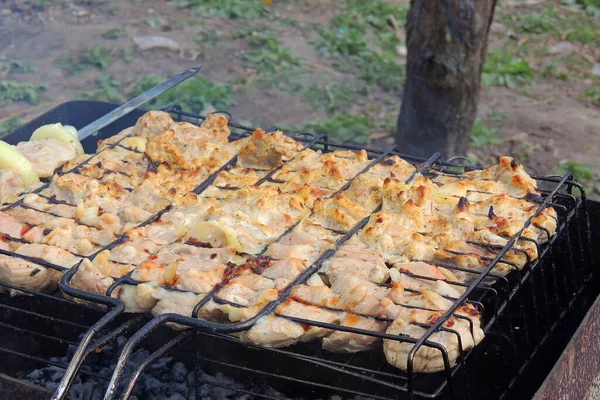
column 165, row 379
column 178, row 373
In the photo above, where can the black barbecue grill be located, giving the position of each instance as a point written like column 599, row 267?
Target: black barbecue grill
column 528, row 316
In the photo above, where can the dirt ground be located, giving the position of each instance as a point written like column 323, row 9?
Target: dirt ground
column 542, row 124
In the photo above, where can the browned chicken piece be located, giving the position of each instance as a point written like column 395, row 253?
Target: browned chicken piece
column 347, row 342
column 415, row 284
column 48, row 222
column 242, row 289
column 429, row 359
column 71, row 238
column 140, row 298
column 311, row 234
column 176, row 302
column 108, row 267
column 12, row 226
column 11, row 186
column 507, row 171
column 104, row 143
column 238, row 177
column 30, row 275
column 116, row 160
column 176, row 251
column 308, row 192
column 338, row 213
column 316, row 295
column 266, row 150
column 52, row 254
column 152, row 123
column 272, row 331
column 392, row 167
column 195, row 276
column 47, row 155
column 365, row 190
column 90, row 278
column 255, row 305
column 357, row 258
column 297, row 309
column 187, row 154
column 340, row 166
column 304, row 252
column 25, row 274
column 288, row 269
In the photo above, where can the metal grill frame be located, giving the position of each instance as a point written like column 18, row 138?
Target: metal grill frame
column 559, row 197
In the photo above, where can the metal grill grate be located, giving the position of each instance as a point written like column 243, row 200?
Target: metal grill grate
column 521, row 309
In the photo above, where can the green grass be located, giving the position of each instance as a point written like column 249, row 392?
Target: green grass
column 90, row 57
column 126, row 54
column 9, row 125
column 551, row 71
column 236, row 9
column 155, row 22
column 584, row 32
column 583, row 173
column 592, row 95
column 482, row 136
column 537, row 22
column 96, row 56
column 273, row 63
column 341, row 128
column 113, row 33
column 195, row 95
column 21, row 67
column 591, row 7
column 268, row 56
column 503, row 69
column 11, row 92
column 108, row 88
column 69, row 64
column 577, row 26
column 329, row 97
column 361, row 37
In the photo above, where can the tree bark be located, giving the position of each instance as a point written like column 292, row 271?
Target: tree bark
column 446, row 43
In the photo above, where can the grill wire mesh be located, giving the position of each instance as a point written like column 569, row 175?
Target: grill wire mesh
column 520, row 311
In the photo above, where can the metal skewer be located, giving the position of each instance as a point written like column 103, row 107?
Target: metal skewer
column 134, row 103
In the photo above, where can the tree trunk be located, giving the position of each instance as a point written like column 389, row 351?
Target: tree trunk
column 447, row 43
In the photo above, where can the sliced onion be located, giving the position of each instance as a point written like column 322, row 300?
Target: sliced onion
column 65, row 134
column 10, row 158
column 214, row 234
column 170, row 274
